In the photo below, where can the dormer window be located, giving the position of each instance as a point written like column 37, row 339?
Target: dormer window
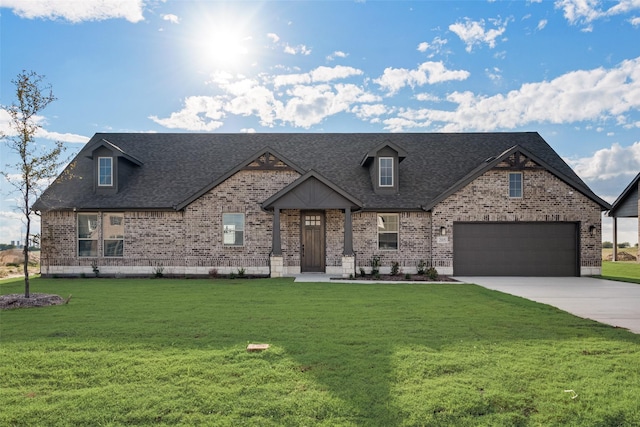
column 383, row 163
column 386, row 171
column 105, row 171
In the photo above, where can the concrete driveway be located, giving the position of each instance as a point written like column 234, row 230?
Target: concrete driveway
column 606, row 301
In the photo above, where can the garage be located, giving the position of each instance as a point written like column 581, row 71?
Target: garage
column 515, row 249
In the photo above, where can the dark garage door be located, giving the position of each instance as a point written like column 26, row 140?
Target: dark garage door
column 515, row 249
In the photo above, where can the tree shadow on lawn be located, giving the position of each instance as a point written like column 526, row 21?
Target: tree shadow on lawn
column 347, row 337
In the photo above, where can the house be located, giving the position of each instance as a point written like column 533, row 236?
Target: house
column 625, row 206
column 281, row 204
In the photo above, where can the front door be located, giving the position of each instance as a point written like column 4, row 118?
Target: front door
column 312, row 242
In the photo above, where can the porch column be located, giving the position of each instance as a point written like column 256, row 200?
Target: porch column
column 348, row 233
column 615, row 239
column 276, row 244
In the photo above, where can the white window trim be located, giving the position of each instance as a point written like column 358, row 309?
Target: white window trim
column 521, row 185
column 104, row 239
column 244, row 232
column 380, row 172
column 397, row 232
column 84, row 239
column 110, row 184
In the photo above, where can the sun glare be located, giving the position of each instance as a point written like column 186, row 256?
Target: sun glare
column 221, row 45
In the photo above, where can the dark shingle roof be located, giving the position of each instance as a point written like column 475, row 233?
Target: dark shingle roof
column 176, row 166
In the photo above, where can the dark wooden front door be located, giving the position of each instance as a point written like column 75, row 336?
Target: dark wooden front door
column 312, row 242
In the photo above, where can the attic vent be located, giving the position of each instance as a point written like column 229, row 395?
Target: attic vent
column 267, row 161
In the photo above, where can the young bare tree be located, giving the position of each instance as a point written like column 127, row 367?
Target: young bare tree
column 36, row 165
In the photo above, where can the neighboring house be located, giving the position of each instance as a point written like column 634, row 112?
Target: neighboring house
column 625, row 206
column 281, row 204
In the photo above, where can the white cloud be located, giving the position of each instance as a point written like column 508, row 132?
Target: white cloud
column 309, row 99
column 394, row 79
column 6, row 129
column 273, row 37
column 433, row 48
column 597, row 94
column 427, row 97
column 171, row 18
column 200, row 113
column 607, row 163
column 586, row 11
column 77, row 10
column 542, row 24
column 473, row 33
column 337, row 54
column 310, row 105
column 370, row 111
column 635, row 21
column 320, row 74
column 495, row 74
column 297, row 50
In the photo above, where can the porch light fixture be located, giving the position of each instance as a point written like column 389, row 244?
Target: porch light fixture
column 443, row 230
column 592, row 230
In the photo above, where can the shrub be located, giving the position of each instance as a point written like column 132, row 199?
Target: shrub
column 94, row 267
column 407, row 276
column 213, row 273
column 158, row 271
column 375, row 266
column 395, row 268
column 422, row 267
column 432, row 273
column 362, row 272
column 241, row 272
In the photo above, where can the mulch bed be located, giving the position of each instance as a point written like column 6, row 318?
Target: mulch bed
column 36, row 300
column 400, row 278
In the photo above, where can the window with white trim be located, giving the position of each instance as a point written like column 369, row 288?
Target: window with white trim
column 233, row 229
column 88, row 234
column 388, row 232
column 105, row 171
column 385, row 171
column 113, row 234
column 515, row 185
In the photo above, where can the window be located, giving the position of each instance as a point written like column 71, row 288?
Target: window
column 113, row 234
column 515, row 184
column 87, row 235
column 233, row 229
column 388, row 232
column 312, row 220
column 105, row 171
column 386, row 171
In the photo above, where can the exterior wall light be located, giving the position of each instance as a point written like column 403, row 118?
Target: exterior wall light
column 592, row 230
column 443, row 230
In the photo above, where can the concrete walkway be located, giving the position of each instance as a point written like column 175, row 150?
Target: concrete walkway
column 606, row 301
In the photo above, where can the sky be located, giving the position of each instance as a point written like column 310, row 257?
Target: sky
column 568, row 69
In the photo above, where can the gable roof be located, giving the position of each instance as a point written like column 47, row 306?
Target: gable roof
column 179, row 167
column 332, row 198
column 626, row 205
column 492, row 162
column 113, row 148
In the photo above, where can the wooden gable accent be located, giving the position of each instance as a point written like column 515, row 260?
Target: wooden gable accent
column 518, row 161
column 268, row 161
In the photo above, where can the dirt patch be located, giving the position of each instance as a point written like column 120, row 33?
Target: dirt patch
column 36, row 300
column 12, row 263
column 622, row 256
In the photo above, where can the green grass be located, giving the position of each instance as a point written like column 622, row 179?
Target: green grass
column 623, row 271
column 172, row 352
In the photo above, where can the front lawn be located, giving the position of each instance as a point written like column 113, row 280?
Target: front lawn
column 173, row 352
column 620, row 270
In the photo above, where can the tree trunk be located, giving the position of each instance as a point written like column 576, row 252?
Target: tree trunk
column 27, row 294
